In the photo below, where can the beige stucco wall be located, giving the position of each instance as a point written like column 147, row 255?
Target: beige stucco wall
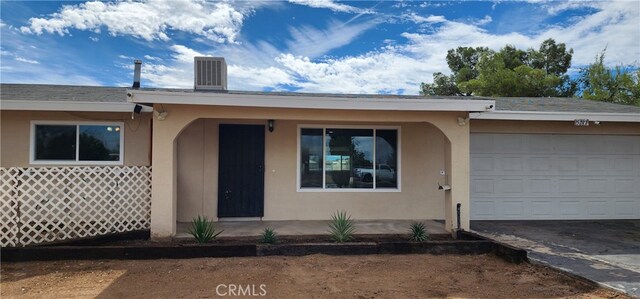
column 552, row 127
column 422, row 157
column 15, row 127
column 286, row 203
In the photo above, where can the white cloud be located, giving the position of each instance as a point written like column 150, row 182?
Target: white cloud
column 22, row 59
column 18, row 58
column 402, row 63
column 312, row 42
column 94, row 39
column 484, row 21
column 405, row 65
column 614, row 26
column 217, row 21
column 149, row 57
column 382, row 72
column 420, row 19
column 556, row 7
column 252, row 78
column 329, row 4
column 24, row 70
column 433, row 4
column 178, row 73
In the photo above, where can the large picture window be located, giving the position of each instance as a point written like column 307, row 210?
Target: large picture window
column 334, row 158
column 67, row 143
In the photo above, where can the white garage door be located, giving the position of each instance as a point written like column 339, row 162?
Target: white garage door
column 539, row 176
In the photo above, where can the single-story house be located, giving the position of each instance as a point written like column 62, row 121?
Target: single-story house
column 299, row 156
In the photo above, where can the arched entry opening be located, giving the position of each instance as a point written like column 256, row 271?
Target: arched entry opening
column 428, row 143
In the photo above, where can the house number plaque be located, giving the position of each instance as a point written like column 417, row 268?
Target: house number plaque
column 581, row 122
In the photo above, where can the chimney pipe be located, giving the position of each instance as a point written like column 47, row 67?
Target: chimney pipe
column 136, row 73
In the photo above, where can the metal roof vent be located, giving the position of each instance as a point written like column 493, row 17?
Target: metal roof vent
column 210, row 73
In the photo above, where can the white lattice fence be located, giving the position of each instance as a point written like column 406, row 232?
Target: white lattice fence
column 8, row 207
column 47, row 204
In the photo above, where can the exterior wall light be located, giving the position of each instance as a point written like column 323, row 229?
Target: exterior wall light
column 270, row 124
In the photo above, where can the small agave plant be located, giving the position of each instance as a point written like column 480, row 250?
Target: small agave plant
column 269, row 236
column 341, row 227
column 417, row 232
column 203, row 230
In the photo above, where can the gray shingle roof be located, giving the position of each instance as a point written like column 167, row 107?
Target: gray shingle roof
column 37, row 92
column 561, row 105
column 41, row 92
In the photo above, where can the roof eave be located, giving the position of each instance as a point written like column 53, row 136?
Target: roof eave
column 306, row 102
column 70, row 106
column 557, row 116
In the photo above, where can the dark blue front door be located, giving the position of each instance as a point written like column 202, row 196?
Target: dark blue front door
column 241, row 171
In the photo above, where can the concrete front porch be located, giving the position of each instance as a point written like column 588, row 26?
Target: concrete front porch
column 314, row 227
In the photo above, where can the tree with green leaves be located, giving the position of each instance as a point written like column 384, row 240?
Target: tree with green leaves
column 551, row 57
column 508, row 72
column 615, row 85
column 442, row 85
column 463, row 60
column 505, row 74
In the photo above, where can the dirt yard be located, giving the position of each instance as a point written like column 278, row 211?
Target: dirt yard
column 316, row 276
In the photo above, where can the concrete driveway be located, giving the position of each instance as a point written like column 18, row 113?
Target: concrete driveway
column 604, row 251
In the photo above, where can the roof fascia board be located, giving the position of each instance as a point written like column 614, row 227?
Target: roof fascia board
column 69, row 106
column 557, row 116
column 308, row 102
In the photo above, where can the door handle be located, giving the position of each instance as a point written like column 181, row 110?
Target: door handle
column 260, row 168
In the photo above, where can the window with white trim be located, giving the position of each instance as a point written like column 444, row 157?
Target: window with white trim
column 77, row 143
column 355, row 158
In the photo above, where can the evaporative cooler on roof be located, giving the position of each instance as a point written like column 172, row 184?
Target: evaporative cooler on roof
column 210, row 73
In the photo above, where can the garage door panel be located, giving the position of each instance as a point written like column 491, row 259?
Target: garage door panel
column 511, row 186
column 481, row 144
column 595, row 164
column 568, row 145
column 597, row 208
column 540, row 165
column 484, row 208
column 627, row 166
column 555, row 176
column 597, row 186
column 483, row 186
column 542, row 208
column 511, row 144
column 620, row 146
column 567, row 164
column 570, row 209
column 626, row 186
column 542, row 186
column 513, row 209
column 482, row 164
column 511, row 164
column 568, row 186
column 540, row 144
column 626, row 208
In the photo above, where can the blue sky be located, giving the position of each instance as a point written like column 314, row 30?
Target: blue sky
column 299, row 45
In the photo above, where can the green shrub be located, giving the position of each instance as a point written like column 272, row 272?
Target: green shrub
column 417, row 232
column 203, row 230
column 269, row 236
column 341, row 227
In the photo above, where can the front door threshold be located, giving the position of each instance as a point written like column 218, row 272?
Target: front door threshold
column 231, row 219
